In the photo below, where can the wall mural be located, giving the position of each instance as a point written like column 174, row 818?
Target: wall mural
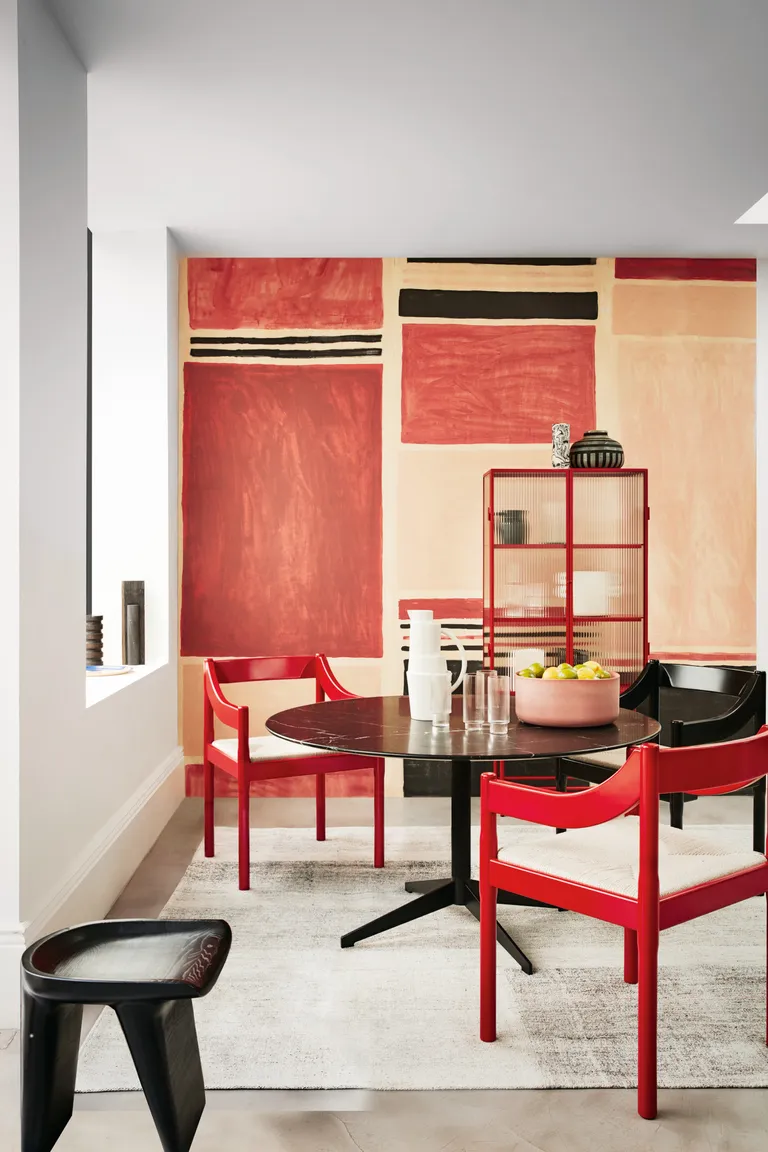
column 339, row 415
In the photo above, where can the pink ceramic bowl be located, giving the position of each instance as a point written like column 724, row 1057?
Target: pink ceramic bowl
column 567, row 703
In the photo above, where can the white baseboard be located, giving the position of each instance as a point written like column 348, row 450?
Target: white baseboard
column 98, row 876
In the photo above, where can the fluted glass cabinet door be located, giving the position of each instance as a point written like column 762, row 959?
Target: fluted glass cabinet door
column 565, row 568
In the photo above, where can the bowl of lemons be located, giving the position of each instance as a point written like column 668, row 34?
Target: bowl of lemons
column 567, row 696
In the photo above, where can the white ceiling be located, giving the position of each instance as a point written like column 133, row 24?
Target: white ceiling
column 428, row 127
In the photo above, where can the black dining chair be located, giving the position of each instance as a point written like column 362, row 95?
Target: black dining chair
column 149, row 971
column 695, row 704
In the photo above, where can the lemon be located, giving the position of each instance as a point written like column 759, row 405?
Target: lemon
column 601, row 674
column 576, row 667
column 537, row 669
column 528, row 673
column 587, row 674
column 593, row 664
column 567, row 674
column 550, row 674
column 563, row 666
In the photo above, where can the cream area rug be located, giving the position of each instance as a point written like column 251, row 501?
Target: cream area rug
column 400, row 1011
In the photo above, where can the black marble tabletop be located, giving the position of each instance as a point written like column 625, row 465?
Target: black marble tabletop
column 382, row 726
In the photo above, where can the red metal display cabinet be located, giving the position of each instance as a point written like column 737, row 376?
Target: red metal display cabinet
column 566, row 567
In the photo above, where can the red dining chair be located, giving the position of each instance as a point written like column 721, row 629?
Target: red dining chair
column 268, row 757
column 622, row 867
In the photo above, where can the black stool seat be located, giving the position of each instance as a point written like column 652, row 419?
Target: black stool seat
column 149, row 971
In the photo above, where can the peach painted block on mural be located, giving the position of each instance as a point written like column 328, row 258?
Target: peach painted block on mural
column 440, row 515
column 694, row 431
column 484, row 384
column 684, row 310
column 281, row 510
column 284, row 293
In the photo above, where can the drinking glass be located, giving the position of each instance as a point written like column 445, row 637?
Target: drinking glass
column 482, row 676
column 498, row 704
column 440, row 698
column 474, row 702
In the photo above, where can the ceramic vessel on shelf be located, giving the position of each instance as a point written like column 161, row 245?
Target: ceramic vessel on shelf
column 427, row 666
column 561, row 436
column 596, row 449
column 567, row 703
column 512, row 526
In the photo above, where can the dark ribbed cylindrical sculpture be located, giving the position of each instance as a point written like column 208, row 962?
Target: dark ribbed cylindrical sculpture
column 94, row 640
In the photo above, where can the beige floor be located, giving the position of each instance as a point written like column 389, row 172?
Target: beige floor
column 556, row 1121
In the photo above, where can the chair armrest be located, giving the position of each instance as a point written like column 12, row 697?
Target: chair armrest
column 328, row 682
column 714, row 729
column 229, row 714
column 646, row 687
column 615, row 797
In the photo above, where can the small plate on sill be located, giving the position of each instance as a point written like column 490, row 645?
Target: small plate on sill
column 107, row 669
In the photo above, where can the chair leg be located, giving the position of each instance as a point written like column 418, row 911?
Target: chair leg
column 630, row 956
column 244, row 830
column 647, row 1013
column 208, row 823
column 378, row 814
column 758, row 816
column 320, row 806
column 676, row 810
column 50, row 1043
column 488, row 901
column 163, row 1044
column 766, row 971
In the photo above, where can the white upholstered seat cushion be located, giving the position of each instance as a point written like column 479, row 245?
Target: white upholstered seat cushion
column 270, row 748
column 606, row 856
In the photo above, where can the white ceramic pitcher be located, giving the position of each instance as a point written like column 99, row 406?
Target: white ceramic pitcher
column 426, row 662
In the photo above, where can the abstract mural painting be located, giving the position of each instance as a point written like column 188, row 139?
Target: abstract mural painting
column 339, row 415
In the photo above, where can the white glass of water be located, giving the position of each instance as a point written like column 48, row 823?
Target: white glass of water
column 498, row 704
column 440, row 700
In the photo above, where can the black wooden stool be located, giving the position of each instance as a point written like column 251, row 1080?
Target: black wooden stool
column 149, row 971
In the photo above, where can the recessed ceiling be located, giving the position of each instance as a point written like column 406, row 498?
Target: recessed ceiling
column 428, row 127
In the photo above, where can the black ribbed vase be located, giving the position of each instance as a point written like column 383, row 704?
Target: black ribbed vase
column 597, row 450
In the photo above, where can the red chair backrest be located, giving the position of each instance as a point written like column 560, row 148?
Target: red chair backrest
column 711, row 769
column 248, row 669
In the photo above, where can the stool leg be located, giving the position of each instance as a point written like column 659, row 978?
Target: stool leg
column 163, row 1044
column 50, row 1043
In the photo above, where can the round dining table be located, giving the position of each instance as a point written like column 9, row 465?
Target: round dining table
column 381, row 726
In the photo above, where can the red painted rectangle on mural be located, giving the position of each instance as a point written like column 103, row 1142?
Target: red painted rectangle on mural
column 445, row 607
column 281, row 507
column 226, row 293
column 482, row 384
column 635, row 268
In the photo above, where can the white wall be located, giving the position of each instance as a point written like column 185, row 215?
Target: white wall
column 95, row 785
column 131, row 422
column 9, row 480
column 761, row 433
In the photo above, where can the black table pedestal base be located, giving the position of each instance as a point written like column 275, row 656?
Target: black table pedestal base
column 457, row 889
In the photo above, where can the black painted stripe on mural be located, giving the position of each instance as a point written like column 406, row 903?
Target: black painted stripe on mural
column 287, row 353
column 347, row 338
column 559, row 262
column 454, row 305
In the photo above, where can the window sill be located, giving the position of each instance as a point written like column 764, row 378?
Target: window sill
column 98, row 688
